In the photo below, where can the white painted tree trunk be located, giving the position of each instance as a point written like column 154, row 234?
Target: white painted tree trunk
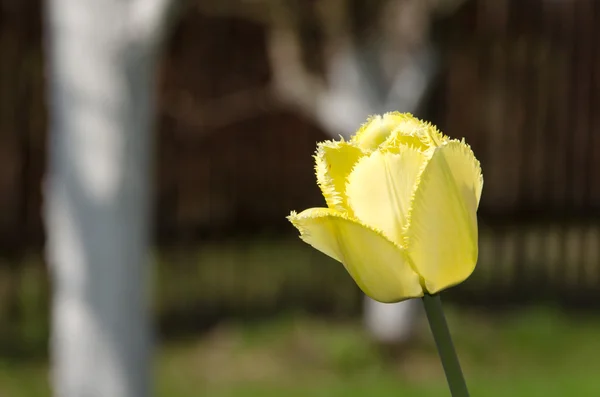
column 351, row 98
column 391, row 324
column 392, row 72
column 102, row 59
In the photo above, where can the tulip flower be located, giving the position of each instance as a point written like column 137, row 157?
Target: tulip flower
column 401, row 216
column 401, row 208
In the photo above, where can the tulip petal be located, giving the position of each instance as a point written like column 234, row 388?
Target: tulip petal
column 411, row 131
column 393, row 129
column 377, row 265
column 441, row 237
column 333, row 163
column 376, row 130
column 381, row 187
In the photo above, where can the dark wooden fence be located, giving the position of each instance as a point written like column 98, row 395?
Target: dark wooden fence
column 523, row 87
column 521, row 83
column 22, row 124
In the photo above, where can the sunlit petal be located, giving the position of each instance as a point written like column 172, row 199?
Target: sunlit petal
column 381, row 187
column 333, row 163
column 441, row 237
column 377, row 265
column 376, row 130
column 411, row 131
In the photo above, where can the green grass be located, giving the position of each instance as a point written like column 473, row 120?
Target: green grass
column 536, row 352
column 533, row 353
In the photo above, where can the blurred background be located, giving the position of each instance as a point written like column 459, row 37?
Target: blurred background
column 247, row 88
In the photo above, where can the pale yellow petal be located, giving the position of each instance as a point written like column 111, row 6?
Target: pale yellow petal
column 333, row 163
column 469, row 165
column 413, row 132
column 441, row 238
column 381, row 187
column 377, row 265
column 376, row 130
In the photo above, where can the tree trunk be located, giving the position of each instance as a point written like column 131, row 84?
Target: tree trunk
column 102, row 60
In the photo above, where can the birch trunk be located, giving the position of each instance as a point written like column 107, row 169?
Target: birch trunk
column 102, row 59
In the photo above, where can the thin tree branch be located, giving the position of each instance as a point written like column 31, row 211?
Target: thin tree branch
column 149, row 19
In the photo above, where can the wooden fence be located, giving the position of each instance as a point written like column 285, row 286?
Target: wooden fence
column 523, row 87
column 521, row 83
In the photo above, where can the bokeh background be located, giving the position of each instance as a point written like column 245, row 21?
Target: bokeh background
column 241, row 306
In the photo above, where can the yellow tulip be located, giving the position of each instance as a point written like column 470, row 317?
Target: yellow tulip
column 401, row 208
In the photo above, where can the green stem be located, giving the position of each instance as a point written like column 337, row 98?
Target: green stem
column 443, row 340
